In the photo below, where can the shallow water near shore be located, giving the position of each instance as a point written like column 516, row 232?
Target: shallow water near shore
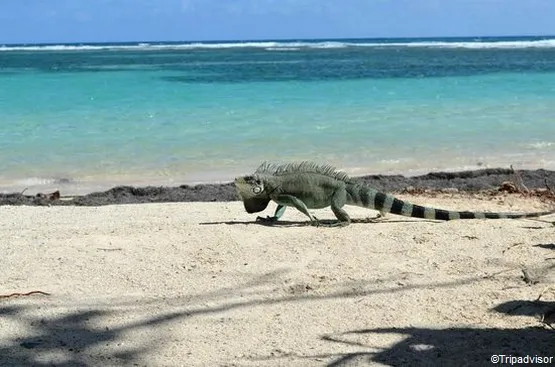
column 90, row 117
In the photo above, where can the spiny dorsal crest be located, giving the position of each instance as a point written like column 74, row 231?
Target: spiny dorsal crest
column 273, row 169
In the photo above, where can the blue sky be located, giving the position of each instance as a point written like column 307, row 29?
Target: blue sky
column 52, row 21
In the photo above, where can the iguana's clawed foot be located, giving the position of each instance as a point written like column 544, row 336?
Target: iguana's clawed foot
column 315, row 222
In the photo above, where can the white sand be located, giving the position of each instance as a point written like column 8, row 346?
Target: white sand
column 199, row 284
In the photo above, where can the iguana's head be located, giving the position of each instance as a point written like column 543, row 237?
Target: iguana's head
column 251, row 190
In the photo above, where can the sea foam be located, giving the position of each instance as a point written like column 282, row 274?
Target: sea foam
column 289, row 45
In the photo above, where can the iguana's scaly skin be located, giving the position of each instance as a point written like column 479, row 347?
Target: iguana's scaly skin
column 307, row 185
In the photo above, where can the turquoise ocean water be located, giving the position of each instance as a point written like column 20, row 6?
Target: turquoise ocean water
column 82, row 117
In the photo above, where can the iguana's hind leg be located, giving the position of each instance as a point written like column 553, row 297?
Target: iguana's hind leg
column 337, row 202
column 279, row 212
column 290, row 200
column 342, row 216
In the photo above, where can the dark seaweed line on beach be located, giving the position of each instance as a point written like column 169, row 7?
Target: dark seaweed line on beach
column 466, row 181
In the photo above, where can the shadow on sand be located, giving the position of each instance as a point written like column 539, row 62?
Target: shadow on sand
column 323, row 222
column 448, row 347
column 89, row 336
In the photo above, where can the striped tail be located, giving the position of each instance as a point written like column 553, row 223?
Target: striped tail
column 385, row 203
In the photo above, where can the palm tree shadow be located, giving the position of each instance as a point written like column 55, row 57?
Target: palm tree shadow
column 67, row 340
column 71, row 339
column 447, row 347
column 457, row 346
column 82, row 337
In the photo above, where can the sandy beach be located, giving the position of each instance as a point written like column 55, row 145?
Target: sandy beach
column 199, row 284
column 130, row 131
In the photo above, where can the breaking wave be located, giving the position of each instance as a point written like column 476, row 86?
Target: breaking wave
column 293, row 45
column 541, row 145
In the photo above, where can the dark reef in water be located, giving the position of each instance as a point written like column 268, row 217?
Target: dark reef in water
column 467, row 181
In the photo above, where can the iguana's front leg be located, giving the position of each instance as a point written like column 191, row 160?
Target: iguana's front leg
column 279, row 212
column 290, row 200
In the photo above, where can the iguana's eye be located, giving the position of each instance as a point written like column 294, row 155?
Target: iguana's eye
column 256, row 190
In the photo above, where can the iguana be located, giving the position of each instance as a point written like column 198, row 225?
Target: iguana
column 307, row 185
